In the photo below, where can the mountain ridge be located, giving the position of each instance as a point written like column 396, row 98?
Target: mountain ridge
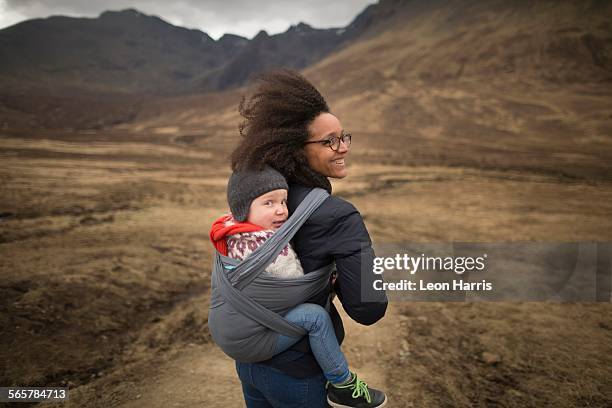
column 129, row 51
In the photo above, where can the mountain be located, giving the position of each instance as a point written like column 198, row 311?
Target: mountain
column 118, row 51
column 128, row 51
column 298, row 47
column 63, row 72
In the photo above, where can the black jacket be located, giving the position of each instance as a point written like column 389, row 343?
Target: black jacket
column 334, row 232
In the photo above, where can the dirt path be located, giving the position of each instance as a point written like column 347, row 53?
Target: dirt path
column 202, row 376
column 198, row 377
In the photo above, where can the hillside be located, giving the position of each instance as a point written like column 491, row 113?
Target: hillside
column 509, row 84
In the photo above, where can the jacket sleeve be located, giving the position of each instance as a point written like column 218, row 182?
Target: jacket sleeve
column 351, row 247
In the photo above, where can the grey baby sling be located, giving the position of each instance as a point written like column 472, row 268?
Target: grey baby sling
column 246, row 309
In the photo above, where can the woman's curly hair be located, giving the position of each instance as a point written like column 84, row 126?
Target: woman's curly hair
column 275, row 126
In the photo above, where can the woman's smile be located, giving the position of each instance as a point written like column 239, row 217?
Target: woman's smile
column 322, row 159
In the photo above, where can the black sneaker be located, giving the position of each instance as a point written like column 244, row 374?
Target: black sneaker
column 354, row 394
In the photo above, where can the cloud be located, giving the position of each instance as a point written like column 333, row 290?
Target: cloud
column 215, row 17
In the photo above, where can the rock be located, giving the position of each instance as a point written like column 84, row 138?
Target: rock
column 405, row 345
column 490, row 358
column 403, row 355
column 89, row 220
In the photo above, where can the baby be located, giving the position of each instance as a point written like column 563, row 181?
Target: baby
column 258, row 204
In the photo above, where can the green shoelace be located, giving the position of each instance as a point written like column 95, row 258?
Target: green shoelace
column 359, row 387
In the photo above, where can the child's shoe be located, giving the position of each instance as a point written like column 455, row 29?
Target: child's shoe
column 354, row 393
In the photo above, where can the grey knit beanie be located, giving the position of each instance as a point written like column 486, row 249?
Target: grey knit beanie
column 244, row 187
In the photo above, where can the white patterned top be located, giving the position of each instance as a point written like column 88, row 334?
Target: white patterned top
column 285, row 266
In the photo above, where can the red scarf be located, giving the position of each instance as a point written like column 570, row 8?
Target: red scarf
column 226, row 226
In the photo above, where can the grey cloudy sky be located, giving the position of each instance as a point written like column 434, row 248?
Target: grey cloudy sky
column 215, row 17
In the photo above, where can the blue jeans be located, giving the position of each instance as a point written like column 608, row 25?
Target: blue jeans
column 267, row 387
column 322, row 338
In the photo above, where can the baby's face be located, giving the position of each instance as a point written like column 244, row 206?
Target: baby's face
column 269, row 210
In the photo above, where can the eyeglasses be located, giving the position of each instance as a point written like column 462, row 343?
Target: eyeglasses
column 334, row 141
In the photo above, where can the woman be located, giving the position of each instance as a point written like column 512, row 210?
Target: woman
column 288, row 126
